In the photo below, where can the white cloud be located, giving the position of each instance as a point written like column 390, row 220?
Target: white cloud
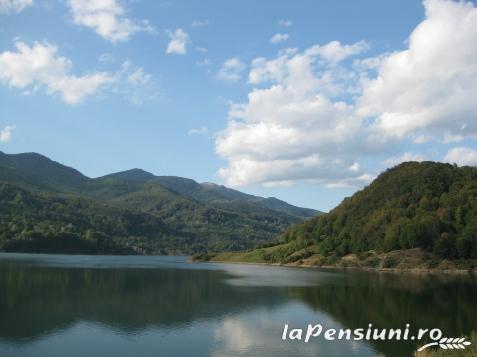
column 291, row 130
column 298, row 67
column 14, row 6
column 285, row 23
column 40, row 67
column 314, row 116
column 178, row 42
column 462, row 156
column 407, row 156
column 231, row 70
column 199, row 23
column 335, row 52
column 429, row 88
column 6, row 134
column 107, row 18
column 133, row 83
column 203, row 130
column 138, row 76
column 257, row 330
column 279, row 37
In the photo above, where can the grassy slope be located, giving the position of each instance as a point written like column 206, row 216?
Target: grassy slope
column 415, row 260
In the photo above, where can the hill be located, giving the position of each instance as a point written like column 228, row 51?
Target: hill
column 38, row 172
column 423, row 207
column 44, row 201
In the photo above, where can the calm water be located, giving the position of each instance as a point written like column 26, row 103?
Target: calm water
column 56, row 305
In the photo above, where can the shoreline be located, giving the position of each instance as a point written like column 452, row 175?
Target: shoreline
column 414, row 271
column 412, row 261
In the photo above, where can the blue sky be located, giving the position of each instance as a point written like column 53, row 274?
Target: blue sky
column 303, row 100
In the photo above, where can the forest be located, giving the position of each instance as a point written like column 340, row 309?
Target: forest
column 48, row 207
column 427, row 205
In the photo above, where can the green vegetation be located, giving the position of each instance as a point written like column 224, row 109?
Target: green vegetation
column 48, row 207
column 431, row 207
column 258, row 255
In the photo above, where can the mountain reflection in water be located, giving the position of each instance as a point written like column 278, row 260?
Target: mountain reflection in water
column 78, row 305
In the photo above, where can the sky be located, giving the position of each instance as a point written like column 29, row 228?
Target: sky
column 307, row 101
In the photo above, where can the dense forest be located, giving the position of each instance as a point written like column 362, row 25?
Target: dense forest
column 49, row 207
column 428, row 205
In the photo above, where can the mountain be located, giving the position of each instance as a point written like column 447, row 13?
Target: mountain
column 138, row 175
column 41, row 222
column 422, row 210
column 224, row 197
column 215, row 195
column 39, row 172
column 269, row 203
column 45, row 203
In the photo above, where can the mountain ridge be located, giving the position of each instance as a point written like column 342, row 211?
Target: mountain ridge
column 191, row 218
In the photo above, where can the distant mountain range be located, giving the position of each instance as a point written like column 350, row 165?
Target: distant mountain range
column 47, row 206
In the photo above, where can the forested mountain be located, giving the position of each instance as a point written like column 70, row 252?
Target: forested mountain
column 46, row 206
column 35, row 171
column 215, row 195
column 428, row 205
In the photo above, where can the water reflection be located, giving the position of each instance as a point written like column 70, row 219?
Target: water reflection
column 391, row 301
column 46, row 298
column 165, row 306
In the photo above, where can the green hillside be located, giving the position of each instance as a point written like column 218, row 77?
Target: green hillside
column 46, row 223
column 35, row 171
column 427, row 206
column 47, row 206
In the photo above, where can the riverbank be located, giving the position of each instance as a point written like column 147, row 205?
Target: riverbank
column 409, row 260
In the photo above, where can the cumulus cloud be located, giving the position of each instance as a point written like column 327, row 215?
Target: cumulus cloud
column 231, row 70
column 316, row 115
column 6, row 134
column 291, row 129
column 429, row 88
column 178, row 42
column 407, row 156
column 203, row 130
column 133, row 83
column 107, row 18
column 279, row 37
column 298, row 69
column 39, row 67
column 14, row 6
column 462, row 156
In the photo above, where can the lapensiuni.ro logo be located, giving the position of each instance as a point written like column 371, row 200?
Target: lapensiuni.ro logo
column 370, row 333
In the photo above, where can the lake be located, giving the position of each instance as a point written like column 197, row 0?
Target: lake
column 72, row 305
